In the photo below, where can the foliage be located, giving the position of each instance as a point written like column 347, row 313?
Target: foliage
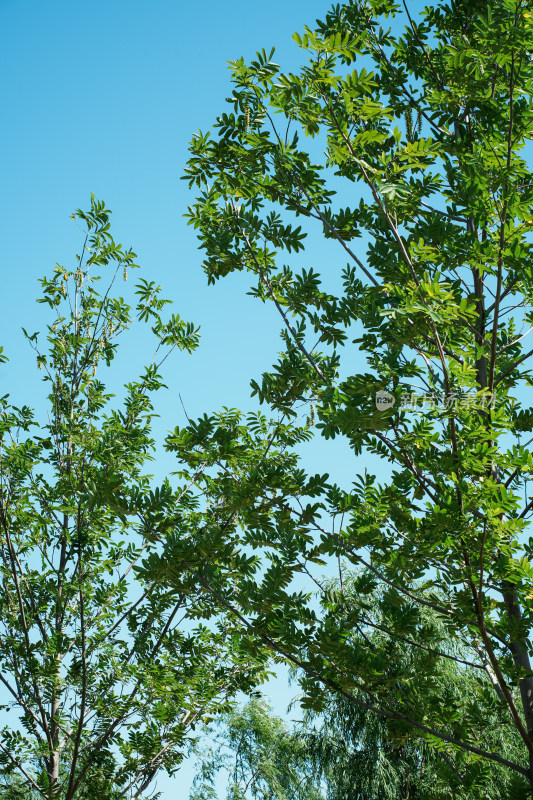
column 261, row 757
column 104, row 675
column 342, row 752
column 429, row 122
column 347, row 751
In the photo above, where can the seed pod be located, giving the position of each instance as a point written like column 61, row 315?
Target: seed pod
column 408, row 115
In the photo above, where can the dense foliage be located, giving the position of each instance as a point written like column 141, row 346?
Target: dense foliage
column 402, row 143
column 345, row 751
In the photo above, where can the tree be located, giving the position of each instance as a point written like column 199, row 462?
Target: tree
column 104, row 675
column 345, row 751
column 424, row 131
column 261, row 757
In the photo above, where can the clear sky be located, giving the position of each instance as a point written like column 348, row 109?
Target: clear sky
column 103, row 97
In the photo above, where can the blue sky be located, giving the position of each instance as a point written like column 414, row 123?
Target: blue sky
column 103, row 97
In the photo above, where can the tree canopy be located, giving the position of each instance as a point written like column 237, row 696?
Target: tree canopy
column 403, row 141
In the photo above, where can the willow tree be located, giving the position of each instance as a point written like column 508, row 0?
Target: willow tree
column 403, row 141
